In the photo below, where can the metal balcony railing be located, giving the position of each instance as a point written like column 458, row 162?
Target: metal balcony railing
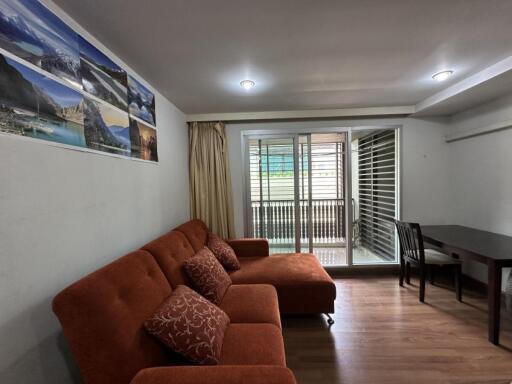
column 275, row 220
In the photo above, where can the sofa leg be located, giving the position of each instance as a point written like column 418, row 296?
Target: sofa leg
column 330, row 320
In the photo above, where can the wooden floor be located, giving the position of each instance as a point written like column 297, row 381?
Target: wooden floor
column 384, row 335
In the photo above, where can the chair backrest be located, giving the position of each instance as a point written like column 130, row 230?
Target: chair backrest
column 411, row 241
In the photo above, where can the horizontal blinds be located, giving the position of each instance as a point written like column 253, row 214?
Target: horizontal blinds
column 272, row 189
column 271, row 169
column 377, row 186
column 327, row 188
column 272, row 193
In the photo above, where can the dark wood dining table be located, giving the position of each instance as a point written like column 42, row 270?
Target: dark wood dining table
column 489, row 248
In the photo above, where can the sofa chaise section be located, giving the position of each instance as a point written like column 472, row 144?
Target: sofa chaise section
column 303, row 286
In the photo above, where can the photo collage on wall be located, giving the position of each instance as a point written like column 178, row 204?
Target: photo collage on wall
column 119, row 118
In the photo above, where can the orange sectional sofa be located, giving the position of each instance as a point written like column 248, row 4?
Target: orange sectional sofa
column 302, row 285
column 102, row 314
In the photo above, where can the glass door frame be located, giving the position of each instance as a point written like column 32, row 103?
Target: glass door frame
column 247, row 135
column 248, row 220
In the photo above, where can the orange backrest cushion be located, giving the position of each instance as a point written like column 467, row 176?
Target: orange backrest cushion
column 196, row 233
column 103, row 316
column 170, row 251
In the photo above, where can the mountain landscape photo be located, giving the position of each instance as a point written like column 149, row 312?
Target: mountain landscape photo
column 106, row 129
column 143, row 140
column 102, row 77
column 141, row 101
column 35, row 106
column 33, row 33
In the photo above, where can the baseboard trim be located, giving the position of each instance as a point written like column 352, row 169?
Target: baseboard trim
column 363, row 270
column 468, row 282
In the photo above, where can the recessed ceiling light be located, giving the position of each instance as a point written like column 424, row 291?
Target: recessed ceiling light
column 443, row 75
column 247, row 84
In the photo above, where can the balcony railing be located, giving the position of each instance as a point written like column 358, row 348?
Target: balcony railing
column 275, row 220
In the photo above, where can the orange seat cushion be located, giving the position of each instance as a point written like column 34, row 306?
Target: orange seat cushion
column 303, row 286
column 254, row 303
column 253, row 344
column 222, row 374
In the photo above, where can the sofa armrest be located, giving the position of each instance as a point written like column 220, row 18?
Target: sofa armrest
column 249, row 247
column 215, row 374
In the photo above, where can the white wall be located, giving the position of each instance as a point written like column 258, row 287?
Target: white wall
column 481, row 174
column 424, row 158
column 63, row 214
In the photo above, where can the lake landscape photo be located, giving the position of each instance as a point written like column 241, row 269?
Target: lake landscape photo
column 141, row 101
column 102, row 77
column 32, row 32
column 33, row 105
column 143, row 139
column 106, row 129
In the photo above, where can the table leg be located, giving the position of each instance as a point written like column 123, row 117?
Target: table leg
column 494, row 299
column 402, row 271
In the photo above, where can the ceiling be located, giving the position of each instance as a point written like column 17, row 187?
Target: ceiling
column 302, row 54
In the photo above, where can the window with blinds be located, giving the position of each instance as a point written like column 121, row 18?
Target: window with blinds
column 326, row 153
column 319, row 207
column 377, row 192
column 272, row 189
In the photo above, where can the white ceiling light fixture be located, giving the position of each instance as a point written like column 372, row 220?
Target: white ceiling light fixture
column 443, row 75
column 247, row 84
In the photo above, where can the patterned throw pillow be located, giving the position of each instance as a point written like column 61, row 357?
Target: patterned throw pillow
column 207, row 275
column 223, row 252
column 190, row 325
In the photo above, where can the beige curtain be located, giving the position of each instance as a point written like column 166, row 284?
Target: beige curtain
column 210, row 180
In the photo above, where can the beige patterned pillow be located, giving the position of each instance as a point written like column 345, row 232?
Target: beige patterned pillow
column 207, row 275
column 223, row 252
column 190, row 325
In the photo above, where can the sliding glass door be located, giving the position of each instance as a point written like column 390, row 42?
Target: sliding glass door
column 272, row 193
column 322, row 196
column 297, row 194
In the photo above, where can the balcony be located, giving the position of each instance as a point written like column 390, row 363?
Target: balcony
column 275, row 221
column 307, row 176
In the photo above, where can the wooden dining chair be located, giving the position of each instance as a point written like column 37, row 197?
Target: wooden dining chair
column 413, row 253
